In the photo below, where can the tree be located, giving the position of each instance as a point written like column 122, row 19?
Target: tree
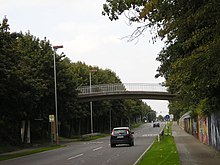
column 190, row 57
column 27, row 84
column 160, row 118
column 8, row 84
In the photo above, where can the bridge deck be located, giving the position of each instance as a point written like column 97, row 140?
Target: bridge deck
column 124, row 91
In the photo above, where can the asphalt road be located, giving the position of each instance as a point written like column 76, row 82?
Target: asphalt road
column 97, row 152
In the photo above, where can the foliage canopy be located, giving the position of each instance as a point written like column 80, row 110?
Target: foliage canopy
column 190, row 59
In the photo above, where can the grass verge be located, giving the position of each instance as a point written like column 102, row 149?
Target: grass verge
column 28, row 152
column 163, row 152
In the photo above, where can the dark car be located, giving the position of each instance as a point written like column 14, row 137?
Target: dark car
column 121, row 135
column 156, row 124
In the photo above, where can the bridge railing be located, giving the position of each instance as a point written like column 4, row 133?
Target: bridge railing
column 150, row 87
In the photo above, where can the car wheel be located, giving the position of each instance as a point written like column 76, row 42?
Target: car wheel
column 131, row 144
column 113, row 145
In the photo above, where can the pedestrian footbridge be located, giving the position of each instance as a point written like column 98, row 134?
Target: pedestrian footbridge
column 124, row 91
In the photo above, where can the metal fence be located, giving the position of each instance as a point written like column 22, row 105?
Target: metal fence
column 149, row 87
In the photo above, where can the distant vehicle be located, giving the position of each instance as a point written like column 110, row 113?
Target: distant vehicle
column 156, row 124
column 121, row 135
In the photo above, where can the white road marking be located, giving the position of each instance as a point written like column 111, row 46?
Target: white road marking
column 97, row 149
column 75, row 156
column 93, row 143
column 150, row 135
column 143, row 154
column 97, row 142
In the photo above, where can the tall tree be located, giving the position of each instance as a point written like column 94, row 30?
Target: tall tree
column 8, row 83
column 190, row 57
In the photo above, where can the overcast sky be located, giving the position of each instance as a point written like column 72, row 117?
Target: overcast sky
column 89, row 37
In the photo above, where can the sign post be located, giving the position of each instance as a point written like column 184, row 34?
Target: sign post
column 171, row 117
column 51, row 120
column 167, row 118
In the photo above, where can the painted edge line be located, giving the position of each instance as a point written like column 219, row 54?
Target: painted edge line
column 143, row 153
column 147, row 149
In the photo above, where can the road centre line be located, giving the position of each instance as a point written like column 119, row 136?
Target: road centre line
column 97, row 149
column 75, row 156
column 83, row 154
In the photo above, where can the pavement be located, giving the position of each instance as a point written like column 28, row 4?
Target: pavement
column 192, row 151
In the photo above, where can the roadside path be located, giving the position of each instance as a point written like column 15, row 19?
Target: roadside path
column 192, row 151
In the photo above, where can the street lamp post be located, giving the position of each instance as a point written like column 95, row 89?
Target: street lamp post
column 90, row 85
column 55, row 91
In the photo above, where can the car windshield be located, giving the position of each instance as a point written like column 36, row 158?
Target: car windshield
column 120, row 132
